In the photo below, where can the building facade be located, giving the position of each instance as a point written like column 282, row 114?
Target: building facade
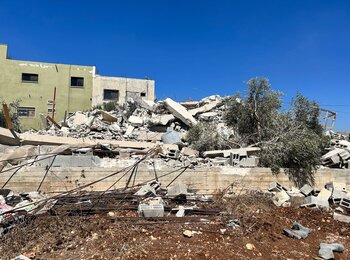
column 78, row 88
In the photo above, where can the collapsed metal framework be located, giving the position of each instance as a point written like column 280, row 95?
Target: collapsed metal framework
column 329, row 118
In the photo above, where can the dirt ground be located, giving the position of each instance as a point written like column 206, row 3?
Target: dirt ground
column 125, row 236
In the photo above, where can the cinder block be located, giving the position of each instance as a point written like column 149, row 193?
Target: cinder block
column 275, row 186
column 345, row 203
column 306, row 189
column 151, row 211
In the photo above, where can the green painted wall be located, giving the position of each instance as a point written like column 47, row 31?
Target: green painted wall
column 37, row 94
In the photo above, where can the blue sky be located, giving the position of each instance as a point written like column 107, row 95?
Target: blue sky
column 194, row 48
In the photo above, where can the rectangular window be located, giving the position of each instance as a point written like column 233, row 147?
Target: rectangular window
column 50, row 102
column 26, row 111
column 143, row 94
column 49, row 110
column 30, row 78
column 110, row 94
column 77, row 82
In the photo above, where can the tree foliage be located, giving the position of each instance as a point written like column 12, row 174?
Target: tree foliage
column 292, row 140
column 204, row 137
column 12, row 107
column 253, row 115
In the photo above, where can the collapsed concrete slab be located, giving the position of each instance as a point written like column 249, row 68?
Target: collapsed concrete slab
column 6, row 137
column 36, row 139
column 204, row 108
column 180, row 112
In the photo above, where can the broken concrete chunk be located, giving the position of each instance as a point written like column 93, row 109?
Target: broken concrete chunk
column 161, row 119
column 306, row 189
column 281, row 198
column 341, row 217
column 108, row 117
column 180, row 112
column 188, row 233
column 171, row 137
column 20, row 257
column 298, row 231
column 326, row 250
column 177, row 189
column 148, row 189
column 187, row 151
column 79, row 119
column 205, row 108
column 135, row 120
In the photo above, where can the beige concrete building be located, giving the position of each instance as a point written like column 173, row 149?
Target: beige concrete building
column 119, row 89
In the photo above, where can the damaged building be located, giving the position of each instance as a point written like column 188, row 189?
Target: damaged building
column 37, row 84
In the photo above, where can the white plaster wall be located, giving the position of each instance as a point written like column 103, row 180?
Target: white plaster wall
column 123, row 85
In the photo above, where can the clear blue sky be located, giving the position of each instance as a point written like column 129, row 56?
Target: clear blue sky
column 194, row 48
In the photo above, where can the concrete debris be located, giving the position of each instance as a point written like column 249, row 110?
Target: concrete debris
column 298, row 231
column 306, row 189
column 188, row 233
column 180, row 112
column 341, row 217
column 326, row 250
column 233, row 223
column 148, row 189
column 281, row 198
column 151, row 208
column 177, row 189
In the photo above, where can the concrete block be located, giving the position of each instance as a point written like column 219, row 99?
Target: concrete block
column 317, row 201
column 161, row 119
column 341, row 217
column 345, row 203
column 151, row 211
column 326, row 250
column 306, row 189
column 280, row 198
column 324, row 194
column 135, row 120
column 177, row 189
column 180, row 112
column 298, row 231
column 186, row 151
column 275, row 186
column 249, row 162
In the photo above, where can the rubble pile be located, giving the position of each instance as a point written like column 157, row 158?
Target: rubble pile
column 139, row 120
column 339, row 152
column 333, row 197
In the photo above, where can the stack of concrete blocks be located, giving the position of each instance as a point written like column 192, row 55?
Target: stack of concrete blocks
column 151, row 208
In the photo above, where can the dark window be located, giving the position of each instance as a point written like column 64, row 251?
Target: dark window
column 110, row 94
column 143, row 94
column 28, row 77
column 49, row 110
column 76, row 82
column 26, row 111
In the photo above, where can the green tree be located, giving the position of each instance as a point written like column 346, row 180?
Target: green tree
column 12, row 107
column 292, row 140
column 253, row 115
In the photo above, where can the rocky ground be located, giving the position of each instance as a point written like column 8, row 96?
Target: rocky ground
column 122, row 235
